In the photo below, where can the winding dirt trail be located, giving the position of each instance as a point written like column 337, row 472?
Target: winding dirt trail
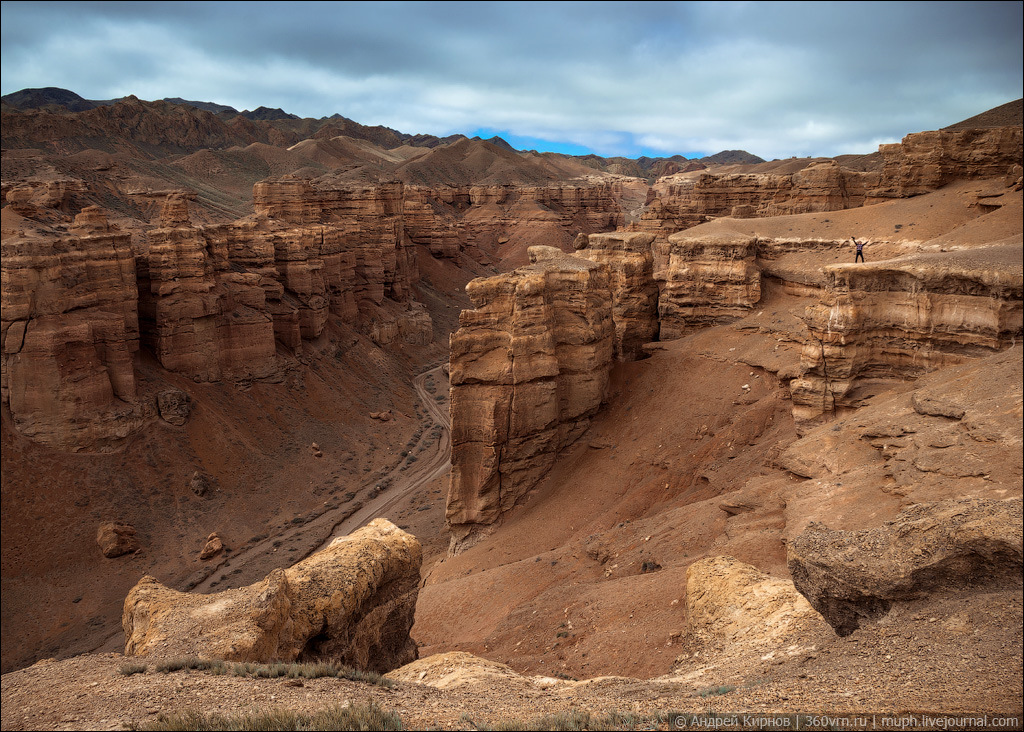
column 426, row 470
column 386, row 491
column 252, row 564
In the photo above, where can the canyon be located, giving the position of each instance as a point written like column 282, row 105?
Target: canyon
column 684, row 423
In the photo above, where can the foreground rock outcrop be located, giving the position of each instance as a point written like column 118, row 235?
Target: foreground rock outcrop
column 731, row 602
column 930, row 550
column 529, row 367
column 351, row 602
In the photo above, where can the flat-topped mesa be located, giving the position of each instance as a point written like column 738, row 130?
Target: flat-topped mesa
column 200, row 317
column 70, row 332
column 926, row 161
column 707, row 279
column 630, row 263
column 684, row 200
column 902, row 318
column 529, row 368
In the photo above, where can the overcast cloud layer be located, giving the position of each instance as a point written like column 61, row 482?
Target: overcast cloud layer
column 775, row 79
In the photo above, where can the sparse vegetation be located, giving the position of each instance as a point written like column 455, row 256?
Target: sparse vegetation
column 130, row 669
column 576, row 719
column 716, row 691
column 369, row 716
column 313, row 670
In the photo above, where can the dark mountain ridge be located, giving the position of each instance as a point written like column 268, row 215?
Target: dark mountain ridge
column 278, row 127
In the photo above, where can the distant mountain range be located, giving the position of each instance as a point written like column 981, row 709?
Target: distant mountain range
column 56, row 99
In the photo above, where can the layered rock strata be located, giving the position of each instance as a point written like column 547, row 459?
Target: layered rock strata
column 902, row 318
column 630, row 262
column 920, row 163
column 929, row 550
column 529, row 367
column 925, row 161
column 483, row 219
column 352, row 602
column 200, row 317
column 70, row 332
column 706, row 280
column 684, row 200
column 216, row 300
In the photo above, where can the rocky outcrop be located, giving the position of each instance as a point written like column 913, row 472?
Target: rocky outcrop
column 732, row 603
column 70, row 332
column 922, row 162
column 37, row 199
column 529, row 367
column 905, row 317
column 174, row 406
column 459, row 670
column 706, row 280
column 352, row 603
column 684, row 200
column 925, row 161
column 117, row 539
column 630, row 263
column 930, row 550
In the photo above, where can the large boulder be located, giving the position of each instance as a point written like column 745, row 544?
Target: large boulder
column 117, row 539
column 352, row 602
column 930, row 549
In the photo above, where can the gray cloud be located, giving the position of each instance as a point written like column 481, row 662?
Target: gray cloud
column 777, row 79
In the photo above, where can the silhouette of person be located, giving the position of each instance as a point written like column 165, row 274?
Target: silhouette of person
column 860, row 250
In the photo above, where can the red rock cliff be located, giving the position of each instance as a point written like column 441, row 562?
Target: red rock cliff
column 529, row 367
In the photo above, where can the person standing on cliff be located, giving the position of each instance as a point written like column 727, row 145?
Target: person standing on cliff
column 860, row 250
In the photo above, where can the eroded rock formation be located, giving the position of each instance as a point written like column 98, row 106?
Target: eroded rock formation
column 630, row 262
column 488, row 220
column 706, row 280
column 929, row 550
column 901, row 318
column 925, row 161
column 684, row 200
column 70, row 332
column 351, row 602
column 200, row 317
column 732, row 603
column 529, row 367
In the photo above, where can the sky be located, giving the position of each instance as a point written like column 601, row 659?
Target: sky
column 614, row 78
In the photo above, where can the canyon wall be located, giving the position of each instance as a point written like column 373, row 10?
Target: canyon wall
column 483, row 221
column 70, row 332
column 217, row 302
column 630, row 262
column 706, row 280
column 211, row 302
column 902, row 318
column 529, row 367
column 921, row 162
column 926, row 161
column 684, row 200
